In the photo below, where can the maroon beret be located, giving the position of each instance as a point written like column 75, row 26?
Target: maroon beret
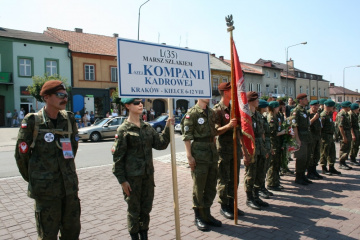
column 252, row 96
column 301, row 96
column 224, row 86
column 51, row 87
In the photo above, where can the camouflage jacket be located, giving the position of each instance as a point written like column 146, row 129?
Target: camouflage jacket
column 315, row 127
column 49, row 174
column 224, row 141
column 301, row 121
column 274, row 127
column 199, row 125
column 132, row 149
column 267, row 133
column 328, row 126
column 343, row 119
column 354, row 121
column 257, row 124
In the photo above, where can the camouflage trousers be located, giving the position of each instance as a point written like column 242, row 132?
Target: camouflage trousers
column 139, row 202
column 345, row 148
column 302, row 157
column 328, row 151
column 204, row 189
column 314, row 152
column 355, row 146
column 59, row 214
column 255, row 174
column 273, row 173
column 225, row 181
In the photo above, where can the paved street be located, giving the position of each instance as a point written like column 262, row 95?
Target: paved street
column 328, row 209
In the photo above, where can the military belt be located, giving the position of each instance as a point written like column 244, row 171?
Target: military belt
column 207, row 139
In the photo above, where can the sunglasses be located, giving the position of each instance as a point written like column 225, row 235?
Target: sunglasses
column 61, row 95
column 137, row 102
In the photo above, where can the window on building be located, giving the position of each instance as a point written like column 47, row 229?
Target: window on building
column 267, row 74
column 307, row 90
column 304, row 75
column 250, row 87
column 299, row 74
column 313, row 91
column 114, row 77
column 319, row 92
column 275, row 75
column 284, row 90
column 258, row 87
column 290, row 91
column 340, row 99
column 25, row 67
column 225, row 80
column 276, row 89
column 301, row 89
column 347, row 98
column 215, row 84
column 51, row 67
column 324, row 92
column 267, row 88
column 89, row 72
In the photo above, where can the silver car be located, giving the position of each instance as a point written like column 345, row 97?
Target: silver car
column 104, row 128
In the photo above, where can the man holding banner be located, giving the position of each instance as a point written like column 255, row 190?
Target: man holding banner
column 198, row 125
column 224, row 144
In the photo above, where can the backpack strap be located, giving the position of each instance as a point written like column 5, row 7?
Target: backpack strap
column 36, row 128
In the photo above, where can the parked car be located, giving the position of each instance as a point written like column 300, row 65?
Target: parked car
column 103, row 128
column 159, row 123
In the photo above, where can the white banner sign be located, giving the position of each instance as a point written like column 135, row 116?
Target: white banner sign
column 160, row 71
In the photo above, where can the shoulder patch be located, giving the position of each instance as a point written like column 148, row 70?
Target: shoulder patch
column 187, row 116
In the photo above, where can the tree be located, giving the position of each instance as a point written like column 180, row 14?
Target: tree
column 38, row 82
column 115, row 96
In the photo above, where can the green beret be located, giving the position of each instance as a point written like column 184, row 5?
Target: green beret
column 346, row 104
column 274, row 104
column 314, row 102
column 263, row 103
column 322, row 101
column 354, row 106
column 329, row 103
column 127, row 100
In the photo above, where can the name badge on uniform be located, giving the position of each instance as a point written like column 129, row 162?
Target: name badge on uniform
column 66, row 147
column 227, row 116
column 49, row 137
column 201, row 121
column 305, row 115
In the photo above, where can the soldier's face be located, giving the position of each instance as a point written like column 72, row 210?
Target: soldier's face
column 315, row 107
column 53, row 101
column 136, row 106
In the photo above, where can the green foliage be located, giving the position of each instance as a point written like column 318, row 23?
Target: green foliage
column 38, row 82
column 115, row 96
column 264, row 97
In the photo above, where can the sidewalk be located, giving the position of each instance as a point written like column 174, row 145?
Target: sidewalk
column 328, row 209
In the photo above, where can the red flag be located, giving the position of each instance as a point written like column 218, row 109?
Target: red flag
column 241, row 105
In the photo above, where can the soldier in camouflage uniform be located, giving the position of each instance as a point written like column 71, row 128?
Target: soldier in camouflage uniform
column 328, row 151
column 254, row 171
column 315, row 129
column 225, row 147
column 321, row 105
column 198, row 125
column 273, row 177
column 45, row 150
column 301, row 126
column 262, row 109
column 133, row 165
column 355, row 133
column 343, row 120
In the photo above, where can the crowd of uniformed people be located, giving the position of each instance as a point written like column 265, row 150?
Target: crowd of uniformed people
column 48, row 141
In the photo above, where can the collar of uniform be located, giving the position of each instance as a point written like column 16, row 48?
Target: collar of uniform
column 199, row 108
column 221, row 103
column 131, row 125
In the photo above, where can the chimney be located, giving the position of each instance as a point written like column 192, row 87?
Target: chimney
column 78, row 30
column 116, row 35
column 290, row 63
column 221, row 58
column 268, row 64
column 213, row 54
column 332, row 85
column 356, row 90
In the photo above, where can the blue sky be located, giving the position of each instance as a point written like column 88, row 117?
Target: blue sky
column 263, row 29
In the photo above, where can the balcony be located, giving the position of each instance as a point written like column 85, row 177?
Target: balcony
column 6, row 78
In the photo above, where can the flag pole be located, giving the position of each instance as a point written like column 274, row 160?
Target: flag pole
column 174, row 173
column 229, row 23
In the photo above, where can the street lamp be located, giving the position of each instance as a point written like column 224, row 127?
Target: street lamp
column 287, row 66
column 139, row 17
column 344, row 78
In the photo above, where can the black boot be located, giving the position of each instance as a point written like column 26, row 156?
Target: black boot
column 231, row 208
column 258, row 200
column 226, row 211
column 299, row 179
column 134, row 236
column 311, row 174
column 344, row 166
column 264, row 194
column 332, row 170
column 210, row 220
column 143, row 234
column 325, row 171
column 250, row 201
column 316, row 173
column 353, row 162
column 199, row 222
column 306, row 179
column 264, row 189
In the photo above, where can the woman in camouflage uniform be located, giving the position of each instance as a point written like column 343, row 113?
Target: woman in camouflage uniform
column 133, row 165
column 273, row 177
